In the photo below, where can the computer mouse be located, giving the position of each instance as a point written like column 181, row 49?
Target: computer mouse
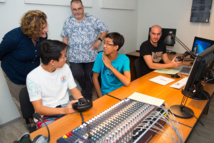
column 175, row 76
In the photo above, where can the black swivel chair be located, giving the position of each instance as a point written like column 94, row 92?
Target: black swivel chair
column 26, row 108
column 137, row 68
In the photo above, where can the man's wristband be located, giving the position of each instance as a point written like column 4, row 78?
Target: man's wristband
column 100, row 39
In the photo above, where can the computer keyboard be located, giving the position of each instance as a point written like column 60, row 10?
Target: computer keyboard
column 179, row 84
column 188, row 59
column 185, row 70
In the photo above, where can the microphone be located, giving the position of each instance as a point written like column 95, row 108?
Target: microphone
column 41, row 138
column 181, row 57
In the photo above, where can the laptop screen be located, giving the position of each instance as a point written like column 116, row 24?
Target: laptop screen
column 201, row 44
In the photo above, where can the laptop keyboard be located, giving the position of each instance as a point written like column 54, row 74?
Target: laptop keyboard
column 185, row 70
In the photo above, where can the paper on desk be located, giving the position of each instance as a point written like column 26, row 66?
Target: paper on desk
column 179, row 84
column 146, row 99
column 167, row 71
column 161, row 80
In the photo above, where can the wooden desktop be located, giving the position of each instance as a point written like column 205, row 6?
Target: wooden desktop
column 142, row 85
column 136, row 54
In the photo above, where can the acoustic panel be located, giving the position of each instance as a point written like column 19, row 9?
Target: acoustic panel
column 86, row 3
column 119, row 4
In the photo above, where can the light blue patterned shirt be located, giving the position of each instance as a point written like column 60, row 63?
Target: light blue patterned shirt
column 81, row 36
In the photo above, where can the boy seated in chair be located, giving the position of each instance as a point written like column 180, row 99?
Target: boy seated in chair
column 48, row 83
column 113, row 67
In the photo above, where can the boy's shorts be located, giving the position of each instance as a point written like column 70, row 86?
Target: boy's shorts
column 49, row 119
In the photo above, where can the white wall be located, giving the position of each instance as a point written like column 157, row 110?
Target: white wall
column 8, row 109
column 123, row 21
column 172, row 14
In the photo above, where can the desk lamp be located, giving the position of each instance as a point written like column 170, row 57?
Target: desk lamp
column 181, row 110
column 170, row 40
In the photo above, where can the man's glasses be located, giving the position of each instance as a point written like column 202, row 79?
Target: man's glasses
column 108, row 44
column 77, row 9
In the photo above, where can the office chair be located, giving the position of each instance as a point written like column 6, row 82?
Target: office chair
column 26, row 108
column 137, row 68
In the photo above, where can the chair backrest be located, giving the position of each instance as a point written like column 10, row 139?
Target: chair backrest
column 26, row 106
column 137, row 68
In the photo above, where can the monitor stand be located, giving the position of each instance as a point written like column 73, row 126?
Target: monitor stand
column 182, row 111
column 200, row 93
column 210, row 77
column 211, row 81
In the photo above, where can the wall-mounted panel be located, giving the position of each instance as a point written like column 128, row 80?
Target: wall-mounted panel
column 86, row 3
column 119, row 4
column 201, row 10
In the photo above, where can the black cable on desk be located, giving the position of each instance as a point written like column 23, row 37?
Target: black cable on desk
column 183, row 124
column 82, row 117
column 88, row 127
column 113, row 96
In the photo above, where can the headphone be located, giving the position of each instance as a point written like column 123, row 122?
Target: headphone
column 25, row 138
column 40, row 139
column 82, row 105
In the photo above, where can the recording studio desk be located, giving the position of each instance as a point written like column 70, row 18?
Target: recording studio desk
column 142, row 85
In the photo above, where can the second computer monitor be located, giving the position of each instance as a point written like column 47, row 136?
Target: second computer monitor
column 165, row 32
column 201, row 44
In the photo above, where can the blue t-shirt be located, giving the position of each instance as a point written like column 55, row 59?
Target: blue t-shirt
column 109, row 81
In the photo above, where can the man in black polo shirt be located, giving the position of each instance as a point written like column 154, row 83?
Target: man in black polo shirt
column 153, row 53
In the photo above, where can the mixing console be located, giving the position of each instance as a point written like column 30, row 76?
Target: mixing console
column 127, row 121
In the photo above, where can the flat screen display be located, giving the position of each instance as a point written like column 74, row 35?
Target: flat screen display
column 201, row 44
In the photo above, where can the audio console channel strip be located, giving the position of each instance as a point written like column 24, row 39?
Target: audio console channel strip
column 128, row 121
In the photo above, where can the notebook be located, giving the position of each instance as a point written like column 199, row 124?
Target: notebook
column 184, row 69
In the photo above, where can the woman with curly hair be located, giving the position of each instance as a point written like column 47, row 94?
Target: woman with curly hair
column 19, row 50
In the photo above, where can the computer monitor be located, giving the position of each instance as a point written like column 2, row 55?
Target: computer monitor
column 165, row 32
column 201, row 44
column 200, row 71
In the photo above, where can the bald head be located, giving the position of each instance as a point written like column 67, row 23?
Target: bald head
column 155, row 34
column 156, row 27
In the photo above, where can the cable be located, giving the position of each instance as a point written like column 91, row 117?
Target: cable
column 82, row 117
column 165, row 117
column 113, row 96
column 47, row 129
column 161, row 128
column 166, row 135
column 171, row 125
column 198, row 120
column 172, row 115
column 88, row 127
column 208, row 80
column 183, row 124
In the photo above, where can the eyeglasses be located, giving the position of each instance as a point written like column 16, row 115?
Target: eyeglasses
column 77, row 9
column 108, row 44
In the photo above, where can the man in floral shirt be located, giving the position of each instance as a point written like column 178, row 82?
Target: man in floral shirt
column 80, row 32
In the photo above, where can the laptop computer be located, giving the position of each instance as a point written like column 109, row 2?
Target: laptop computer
column 184, row 69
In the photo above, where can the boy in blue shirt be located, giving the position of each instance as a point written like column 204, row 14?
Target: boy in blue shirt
column 113, row 67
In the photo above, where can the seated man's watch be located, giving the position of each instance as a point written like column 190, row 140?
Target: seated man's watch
column 100, row 39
